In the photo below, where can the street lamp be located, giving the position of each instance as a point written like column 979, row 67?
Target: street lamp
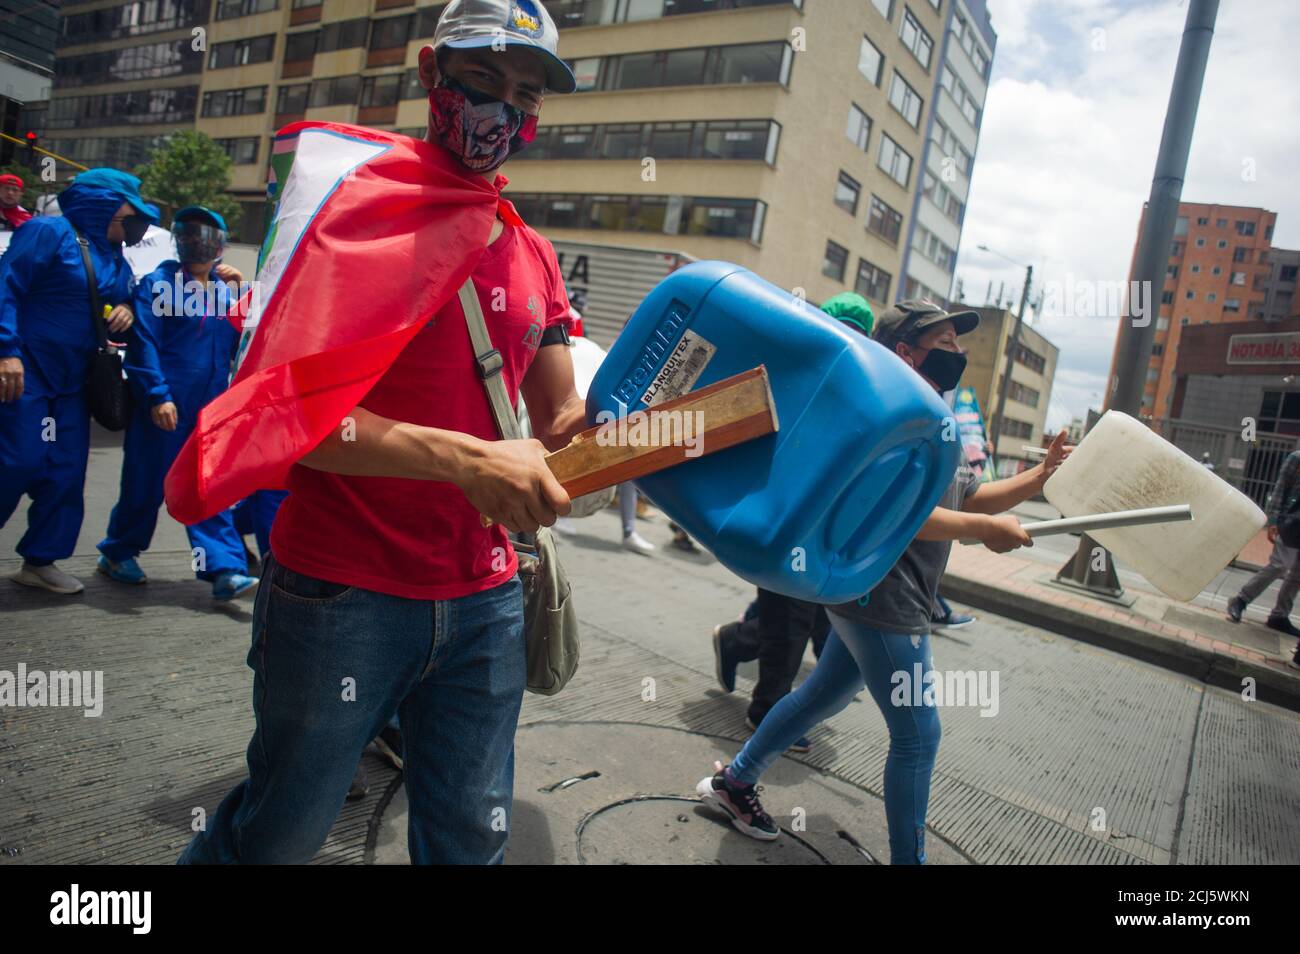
column 1012, row 352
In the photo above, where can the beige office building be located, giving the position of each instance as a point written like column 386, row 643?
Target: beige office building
column 1025, row 417
column 789, row 136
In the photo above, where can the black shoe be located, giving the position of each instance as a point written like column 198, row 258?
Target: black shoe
column 724, row 662
column 360, row 785
column 1294, row 662
column 388, row 743
column 1283, row 625
column 741, row 804
column 1236, row 606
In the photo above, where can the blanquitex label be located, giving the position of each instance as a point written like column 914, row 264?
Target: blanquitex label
column 682, row 369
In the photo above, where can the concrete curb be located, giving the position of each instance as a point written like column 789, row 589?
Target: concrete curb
column 1207, row 665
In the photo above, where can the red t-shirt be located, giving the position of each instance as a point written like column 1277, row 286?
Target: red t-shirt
column 422, row 539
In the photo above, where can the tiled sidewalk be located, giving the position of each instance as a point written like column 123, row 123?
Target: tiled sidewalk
column 1197, row 642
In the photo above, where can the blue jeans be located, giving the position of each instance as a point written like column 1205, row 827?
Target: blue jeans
column 331, row 665
column 856, row 655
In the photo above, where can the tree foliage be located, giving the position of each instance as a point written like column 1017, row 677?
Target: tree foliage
column 190, row 169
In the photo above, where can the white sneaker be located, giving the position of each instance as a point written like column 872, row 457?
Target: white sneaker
column 638, row 544
column 47, row 578
column 564, row 526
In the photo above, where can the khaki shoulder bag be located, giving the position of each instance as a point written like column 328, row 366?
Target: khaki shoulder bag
column 550, row 623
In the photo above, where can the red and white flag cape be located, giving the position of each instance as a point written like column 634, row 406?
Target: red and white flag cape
column 373, row 233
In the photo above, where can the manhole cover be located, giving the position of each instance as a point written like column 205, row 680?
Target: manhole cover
column 672, row 830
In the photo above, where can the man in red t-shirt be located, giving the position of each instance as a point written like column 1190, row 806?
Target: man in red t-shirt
column 385, row 594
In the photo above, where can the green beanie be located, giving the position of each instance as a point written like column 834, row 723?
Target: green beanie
column 852, row 309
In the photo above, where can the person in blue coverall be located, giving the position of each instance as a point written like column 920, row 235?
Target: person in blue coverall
column 47, row 339
column 188, row 342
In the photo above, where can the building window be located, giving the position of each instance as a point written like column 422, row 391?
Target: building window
column 1232, row 304
column 335, row 91
column 242, row 152
column 1201, row 220
column 963, row 97
column 1157, row 350
column 149, row 61
column 343, row 35
column 698, row 66
column 381, row 90
column 131, row 19
column 942, row 197
column 174, row 104
column 915, row 38
column 1286, row 274
column 258, row 49
column 1031, row 359
column 1191, row 295
column 235, row 102
column 1200, row 243
column 870, row 62
column 835, row 261
column 1211, row 297
column 1176, row 249
column 896, row 163
column 859, row 127
column 847, row 190
column 1023, row 394
column 1245, row 228
column 884, row 221
column 1223, row 243
column 292, row 99
column 1241, row 254
column 1180, row 225
column 300, row 46
column 1167, row 298
column 1162, row 324
column 1010, row 427
column 229, row 9
column 1216, row 270
column 905, row 100
column 1196, row 269
column 1171, row 271
column 931, row 247
column 1220, row 223
column 733, row 139
column 667, row 214
column 948, row 144
column 391, row 32
column 885, row 8
column 1183, row 321
column 872, row 282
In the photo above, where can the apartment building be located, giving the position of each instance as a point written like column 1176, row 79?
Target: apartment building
column 1033, row 370
column 1218, row 271
column 952, row 137
column 789, row 136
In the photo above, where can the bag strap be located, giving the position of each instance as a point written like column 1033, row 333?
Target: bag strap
column 96, row 312
column 489, row 362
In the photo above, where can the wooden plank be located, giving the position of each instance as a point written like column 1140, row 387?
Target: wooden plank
column 730, row 412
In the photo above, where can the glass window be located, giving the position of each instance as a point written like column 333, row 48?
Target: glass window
column 748, row 63
column 895, row 162
column 904, row 99
column 234, row 102
column 847, row 190
column 575, row 142
column 884, row 220
column 300, row 46
column 292, row 99
column 335, row 91
column 229, row 9
column 683, row 68
column 872, row 282
column 343, row 35
column 1180, row 226
column 256, row 49
column 886, row 8
column 390, row 32
column 381, row 90
column 746, row 139
column 859, row 127
column 670, row 140
column 870, row 62
column 1245, row 228
column 587, row 73
column 915, row 38
column 621, row 141
column 835, row 261
column 1220, row 223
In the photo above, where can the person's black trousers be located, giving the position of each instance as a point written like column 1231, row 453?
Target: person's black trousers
column 776, row 637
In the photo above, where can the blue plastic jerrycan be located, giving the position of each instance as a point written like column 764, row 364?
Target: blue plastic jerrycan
column 823, row 508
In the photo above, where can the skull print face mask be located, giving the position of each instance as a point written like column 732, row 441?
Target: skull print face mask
column 481, row 131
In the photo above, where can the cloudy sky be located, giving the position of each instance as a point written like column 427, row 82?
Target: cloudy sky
column 1068, row 146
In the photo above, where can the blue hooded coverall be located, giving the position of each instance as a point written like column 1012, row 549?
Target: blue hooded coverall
column 45, row 321
column 188, row 338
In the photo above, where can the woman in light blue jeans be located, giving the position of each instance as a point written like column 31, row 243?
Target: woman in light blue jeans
column 856, row 656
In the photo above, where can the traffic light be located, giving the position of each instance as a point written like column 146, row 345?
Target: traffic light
column 32, row 140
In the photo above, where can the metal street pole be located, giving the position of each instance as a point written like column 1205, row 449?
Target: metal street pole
column 1012, row 351
column 1137, row 333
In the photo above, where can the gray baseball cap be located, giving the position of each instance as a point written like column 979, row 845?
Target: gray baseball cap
column 907, row 319
column 473, row 24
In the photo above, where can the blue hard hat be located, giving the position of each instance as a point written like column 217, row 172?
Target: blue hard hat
column 216, row 218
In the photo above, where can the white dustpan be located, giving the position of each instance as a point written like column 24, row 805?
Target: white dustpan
column 1124, row 465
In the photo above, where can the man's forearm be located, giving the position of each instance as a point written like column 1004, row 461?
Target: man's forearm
column 944, row 524
column 569, row 421
column 1001, row 495
column 367, row 445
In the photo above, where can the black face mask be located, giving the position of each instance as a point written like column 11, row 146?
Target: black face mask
column 944, row 368
column 134, row 227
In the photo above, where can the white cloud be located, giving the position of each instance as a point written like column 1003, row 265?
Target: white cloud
column 1069, row 138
